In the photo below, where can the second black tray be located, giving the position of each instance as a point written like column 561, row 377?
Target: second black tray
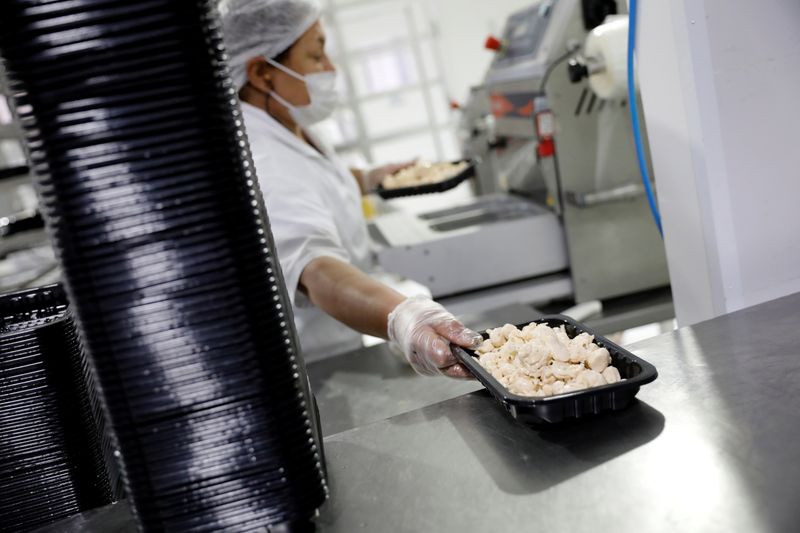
column 439, row 186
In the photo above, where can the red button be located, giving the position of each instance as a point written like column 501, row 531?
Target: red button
column 493, row 43
column 546, row 148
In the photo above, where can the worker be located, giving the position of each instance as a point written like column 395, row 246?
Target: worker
column 287, row 83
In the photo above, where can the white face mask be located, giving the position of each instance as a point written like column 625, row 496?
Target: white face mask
column 321, row 87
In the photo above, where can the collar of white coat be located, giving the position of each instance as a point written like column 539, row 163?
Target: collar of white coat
column 264, row 122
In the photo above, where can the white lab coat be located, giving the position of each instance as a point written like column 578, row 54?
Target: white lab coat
column 314, row 207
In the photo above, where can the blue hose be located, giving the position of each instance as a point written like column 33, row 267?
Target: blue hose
column 637, row 130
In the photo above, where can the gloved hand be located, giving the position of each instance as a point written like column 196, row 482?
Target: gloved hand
column 375, row 176
column 423, row 330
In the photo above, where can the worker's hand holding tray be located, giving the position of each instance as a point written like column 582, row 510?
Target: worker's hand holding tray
column 425, row 178
column 587, row 391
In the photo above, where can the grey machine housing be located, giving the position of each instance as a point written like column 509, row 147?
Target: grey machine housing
column 572, row 224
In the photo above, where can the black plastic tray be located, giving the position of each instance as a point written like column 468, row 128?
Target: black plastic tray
column 440, row 186
column 552, row 409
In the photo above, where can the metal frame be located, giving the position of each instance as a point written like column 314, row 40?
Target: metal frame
column 352, row 102
column 363, row 142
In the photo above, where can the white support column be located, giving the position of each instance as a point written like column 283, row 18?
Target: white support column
column 720, row 86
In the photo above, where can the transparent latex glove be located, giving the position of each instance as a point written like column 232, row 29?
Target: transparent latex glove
column 375, row 176
column 423, row 330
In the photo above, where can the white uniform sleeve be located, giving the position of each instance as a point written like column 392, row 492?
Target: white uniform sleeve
column 302, row 222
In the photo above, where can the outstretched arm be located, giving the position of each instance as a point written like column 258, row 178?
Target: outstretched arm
column 422, row 328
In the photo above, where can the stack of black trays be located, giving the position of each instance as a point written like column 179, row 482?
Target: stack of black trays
column 52, row 462
column 148, row 191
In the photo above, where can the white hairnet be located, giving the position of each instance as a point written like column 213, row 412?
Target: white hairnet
column 254, row 28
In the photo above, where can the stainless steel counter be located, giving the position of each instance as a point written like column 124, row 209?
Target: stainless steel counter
column 712, row 445
column 372, row 384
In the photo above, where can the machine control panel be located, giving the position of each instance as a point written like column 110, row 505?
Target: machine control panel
column 523, row 33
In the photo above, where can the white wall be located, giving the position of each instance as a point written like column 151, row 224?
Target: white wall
column 720, row 84
column 403, row 124
column 463, row 26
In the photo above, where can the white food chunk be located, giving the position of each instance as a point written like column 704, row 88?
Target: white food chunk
column 486, row 346
column 510, row 349
column 489, row 359
column 590, row 378
column 507, row 369
column 545, row 332
column 577, row 354
column 611, row 375
column 562, row 370
column 561, row 335
column 599, row 359
column 423, row 173
column 522, row 386
column 517, row 338
column 509, row 329
column 528, row 331
column 533, row 356
column 496, row 337
column 558, row 351
column 583, row 340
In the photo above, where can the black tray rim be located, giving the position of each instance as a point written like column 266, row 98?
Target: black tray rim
column 442, row 186
column 467, row 357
